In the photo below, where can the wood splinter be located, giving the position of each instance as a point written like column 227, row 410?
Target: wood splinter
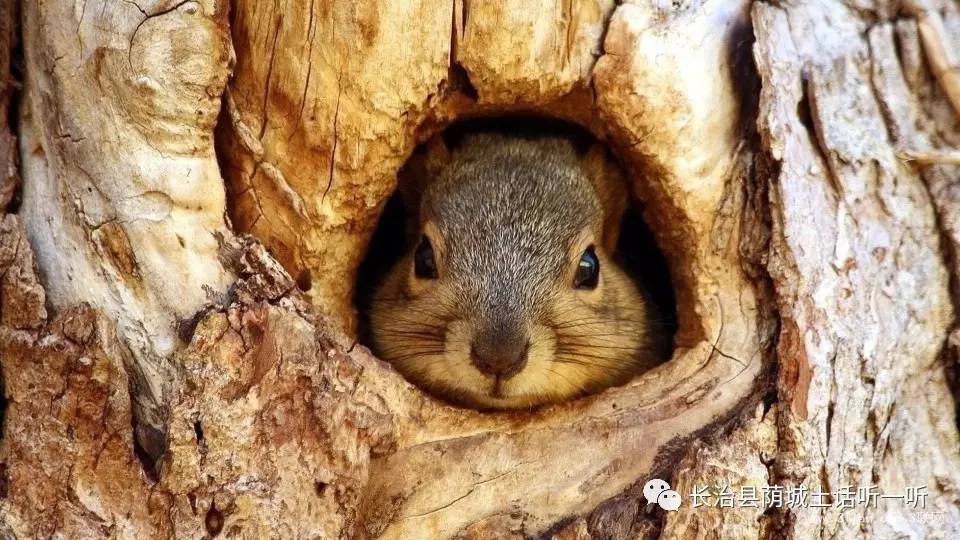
column 943, row 61
column 928, row 157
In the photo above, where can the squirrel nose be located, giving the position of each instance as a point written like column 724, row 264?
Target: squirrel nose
column 500, row 357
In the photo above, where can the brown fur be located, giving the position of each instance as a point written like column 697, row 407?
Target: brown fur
column 508, row 219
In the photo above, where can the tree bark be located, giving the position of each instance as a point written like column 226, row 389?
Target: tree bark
column 200, row 182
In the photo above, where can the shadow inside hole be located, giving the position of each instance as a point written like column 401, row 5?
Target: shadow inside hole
column 387, row 246
column 637, row 251
column 638, row 254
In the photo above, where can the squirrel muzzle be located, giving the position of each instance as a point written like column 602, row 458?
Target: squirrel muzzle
column 500, row 350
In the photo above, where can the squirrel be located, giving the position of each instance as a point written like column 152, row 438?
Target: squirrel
column 509, row 296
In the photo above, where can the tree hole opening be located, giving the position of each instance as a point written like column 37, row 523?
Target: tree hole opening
column 320, row 488
column 636, row 255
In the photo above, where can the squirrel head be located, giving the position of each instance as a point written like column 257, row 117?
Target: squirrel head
column 509, row 296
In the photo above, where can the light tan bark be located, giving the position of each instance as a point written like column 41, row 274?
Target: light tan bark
column 122, row 198
column 812, row 266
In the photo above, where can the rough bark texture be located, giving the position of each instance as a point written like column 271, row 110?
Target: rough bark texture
column 122, row 197
column 10, row 174
column 860, row 264
column 813, row 269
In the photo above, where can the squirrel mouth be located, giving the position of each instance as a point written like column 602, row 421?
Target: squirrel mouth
column 497, row 390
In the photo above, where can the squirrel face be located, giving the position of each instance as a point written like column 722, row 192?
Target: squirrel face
column 509, row 297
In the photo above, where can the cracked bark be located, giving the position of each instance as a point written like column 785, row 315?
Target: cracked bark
column 816, row 272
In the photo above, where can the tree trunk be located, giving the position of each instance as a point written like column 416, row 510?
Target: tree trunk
column 198, row 183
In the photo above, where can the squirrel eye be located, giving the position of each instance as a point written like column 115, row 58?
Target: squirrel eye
column 588, row 270
column 424, row 265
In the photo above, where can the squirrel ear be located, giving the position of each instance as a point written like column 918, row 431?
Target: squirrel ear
column 423, row 167
column 611, row 187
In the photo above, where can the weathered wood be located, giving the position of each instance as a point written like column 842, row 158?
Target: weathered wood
column 813, row 269
column 859, row 272
column 10, row 175
column 542, row 63
column 122, row 198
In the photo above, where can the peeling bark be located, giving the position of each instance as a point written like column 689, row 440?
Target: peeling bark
column 860, row 274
